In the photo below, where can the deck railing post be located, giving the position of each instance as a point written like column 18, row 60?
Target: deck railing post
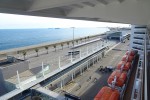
column 18, row 78
column 71, row 57
column 43, row 69
column 81, row 70
column 61, row 84
column 87, row 65
column 59, row 63
column 80, row 53
column 72, row 76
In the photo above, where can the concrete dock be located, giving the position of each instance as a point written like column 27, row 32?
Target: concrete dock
column 31, row 81
column 52, row 59
column 87, row 89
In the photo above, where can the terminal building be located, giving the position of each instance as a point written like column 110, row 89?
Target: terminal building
column 121, row 34
column 134, row 12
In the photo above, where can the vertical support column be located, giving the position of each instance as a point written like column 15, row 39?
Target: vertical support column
column 93, row 61
column 87, row 65
column 103, row 54
column 59, row 63
column 18, row 78
column 61, row 84
column 42, row 69
column 80, row 53
column 81, row 70
column 145, row 68
column 71, row 58
column 72, row 75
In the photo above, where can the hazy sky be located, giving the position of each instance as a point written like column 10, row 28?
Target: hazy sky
column 11, row 21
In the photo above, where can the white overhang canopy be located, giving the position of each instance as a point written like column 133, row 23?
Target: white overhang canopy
column 121, row 11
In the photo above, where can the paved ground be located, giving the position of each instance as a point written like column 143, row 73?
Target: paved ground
column 52, row 59
column 90, row 88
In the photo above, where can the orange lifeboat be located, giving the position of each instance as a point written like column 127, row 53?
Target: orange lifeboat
column 127, row 58
column 106, row 93
column 120, row 78
column 130, row 53
column 126, row 66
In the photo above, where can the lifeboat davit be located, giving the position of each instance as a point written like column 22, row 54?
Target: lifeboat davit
column 127, row 58
column 121, row 78
column 106, row 93
column 126, row 65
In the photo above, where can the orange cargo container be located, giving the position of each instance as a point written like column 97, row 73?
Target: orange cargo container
column 129, row 58
column 106, row 93
column 121, row 78
column 126, row 66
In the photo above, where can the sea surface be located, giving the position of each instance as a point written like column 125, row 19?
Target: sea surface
column 14, row 38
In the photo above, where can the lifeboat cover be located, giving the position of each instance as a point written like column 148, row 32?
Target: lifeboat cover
column 126, row 66
column 121, row 78
column 106, row 93
column 130, row 58
column 130, row 53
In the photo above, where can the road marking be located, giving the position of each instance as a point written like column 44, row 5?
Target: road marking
column 113, row 47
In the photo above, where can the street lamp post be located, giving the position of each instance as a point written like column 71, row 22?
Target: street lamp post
column 73, row 37
column 73, row 43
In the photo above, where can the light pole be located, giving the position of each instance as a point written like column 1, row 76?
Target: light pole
column 73, row 37
column 73, row 43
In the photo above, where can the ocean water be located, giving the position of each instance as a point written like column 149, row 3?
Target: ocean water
column 14, row 38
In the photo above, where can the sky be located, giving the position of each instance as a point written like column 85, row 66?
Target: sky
column 12, row 21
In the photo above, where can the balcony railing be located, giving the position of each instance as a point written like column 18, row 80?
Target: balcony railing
column 138, row 43
column 141, row 88
column 138, row 38
column 139, row 32
column 140, row 27
column 147, row 67
column 137, row 48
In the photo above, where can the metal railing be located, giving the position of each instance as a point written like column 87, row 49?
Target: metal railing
column 140, row 90
column 145, row 68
